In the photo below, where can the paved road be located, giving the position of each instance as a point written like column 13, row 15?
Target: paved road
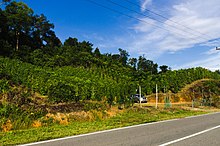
column 210, row 138
column 151, row 134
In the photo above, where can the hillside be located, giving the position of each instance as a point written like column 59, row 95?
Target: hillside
column 42, row 79
column 203, row 92
column 34, row 57
column 23, row 106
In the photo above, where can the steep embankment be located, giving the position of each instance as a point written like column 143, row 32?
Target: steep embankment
column 204, row 92
column 204, row 89
column 197, row 83
column 22, row 108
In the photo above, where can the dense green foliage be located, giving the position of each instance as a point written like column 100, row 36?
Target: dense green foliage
column 74, row 84
column 207, row 93
column 66, row 83
column 175, row 80
column 4, row 86
column 74, row 70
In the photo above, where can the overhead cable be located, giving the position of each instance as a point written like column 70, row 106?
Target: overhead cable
column 138, row 19
column 168, row 19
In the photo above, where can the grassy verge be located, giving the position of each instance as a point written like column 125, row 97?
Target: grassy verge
column 129, row 117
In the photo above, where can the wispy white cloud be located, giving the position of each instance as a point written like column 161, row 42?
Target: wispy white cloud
column 193, row 16
column 212, row 43
column 211, row 52
column 211, row 63
column 144, row 4
column 192, row 23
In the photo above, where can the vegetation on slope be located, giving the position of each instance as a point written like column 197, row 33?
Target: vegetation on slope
column 44, row 81
column 79, row 90
column 74, row 70
column 206, row 92
column 74, row 84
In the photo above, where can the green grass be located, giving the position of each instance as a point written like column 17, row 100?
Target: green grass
column 130, row 117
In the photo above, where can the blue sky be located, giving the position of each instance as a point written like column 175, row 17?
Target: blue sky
column 187, row 38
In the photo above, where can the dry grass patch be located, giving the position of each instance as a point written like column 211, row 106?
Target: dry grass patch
column 7, row 126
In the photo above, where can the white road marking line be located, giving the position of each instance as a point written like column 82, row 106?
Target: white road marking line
column 190, row 136
column 98, row 132
column 110, row 130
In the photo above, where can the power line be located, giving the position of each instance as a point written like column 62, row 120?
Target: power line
column 132, row 17
column 154, row 19
column 121, row 13
column 166, row 18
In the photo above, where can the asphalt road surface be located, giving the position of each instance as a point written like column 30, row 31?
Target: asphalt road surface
column 197, row 131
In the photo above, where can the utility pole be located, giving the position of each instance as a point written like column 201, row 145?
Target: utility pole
column 156, row 97
column 140, row 95
column 193, row 98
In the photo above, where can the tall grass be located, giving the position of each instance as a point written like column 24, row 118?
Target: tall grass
column 130, row 117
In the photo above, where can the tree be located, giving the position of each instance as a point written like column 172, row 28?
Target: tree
column 5, row 47
column 147, row 65
column 42, row 33
column 97, row 53
column 153, row 67
column 116, row 57
column 52, row 40
column 85, row 46
column 217, row 71
column 71, row 42
column 79, row 46
column 141, row 65
column 133, row 62
column 19, row 17
column 163, row 68
column 123, row 56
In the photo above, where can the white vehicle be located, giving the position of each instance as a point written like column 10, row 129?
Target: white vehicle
column 136, row 98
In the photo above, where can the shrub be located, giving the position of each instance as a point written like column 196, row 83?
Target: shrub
column 4, row 86
column 13, row 117
column 61, row 92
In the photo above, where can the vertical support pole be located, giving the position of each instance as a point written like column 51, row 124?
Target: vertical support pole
column 156, row 97
column 193, row 98
column 17, row 40
column 140, row 95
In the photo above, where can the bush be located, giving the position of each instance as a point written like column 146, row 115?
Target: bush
column 4, row 86
column 61, row 92
column 216, row 101
column 14, row 118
